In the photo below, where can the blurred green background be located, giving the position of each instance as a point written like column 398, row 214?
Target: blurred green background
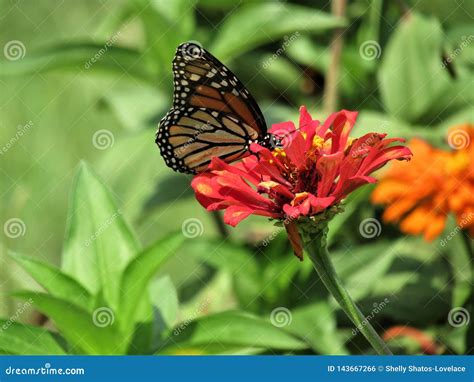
column 90, row 80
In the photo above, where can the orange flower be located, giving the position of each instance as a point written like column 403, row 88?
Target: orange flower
column 427, row 344
column 419, row 195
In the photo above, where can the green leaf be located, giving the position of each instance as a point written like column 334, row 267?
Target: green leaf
column 317, row 56
column 416, row 282
column 80, row 327
column 256, row 24
column 164, row 297
column 351, row 204
column 362, row 268
column 137, row 275
column 231, row 329
column 135, row 115
column 458, row 258
column 21, row 339
column 450, row 13
column 411, row 76
column 232, row 258
column 99, row 243
column 13, row 277
column 55, row 282
column 144, row 164
column 166, row 25
column 316, row 324
column 77, row 57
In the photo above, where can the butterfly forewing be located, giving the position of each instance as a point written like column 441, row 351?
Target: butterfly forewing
column 213, row 114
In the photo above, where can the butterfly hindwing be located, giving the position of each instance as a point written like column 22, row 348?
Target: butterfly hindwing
column 213, row 114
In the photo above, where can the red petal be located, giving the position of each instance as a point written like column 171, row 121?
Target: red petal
column 343, row 124
column 282, row 128
column 328, row 168
column 233, row 215
column 295, row 239
column 320, row 204
column 307, row 124
column 296, row 151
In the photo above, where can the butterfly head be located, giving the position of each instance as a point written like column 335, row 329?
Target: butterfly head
column 271, row 141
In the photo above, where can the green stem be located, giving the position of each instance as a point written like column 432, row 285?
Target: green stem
column 317, row 249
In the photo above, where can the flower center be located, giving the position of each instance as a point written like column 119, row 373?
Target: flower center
column 279, row 152
column 318, row 142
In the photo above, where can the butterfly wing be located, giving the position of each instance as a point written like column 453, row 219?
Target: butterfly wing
column 213, row 114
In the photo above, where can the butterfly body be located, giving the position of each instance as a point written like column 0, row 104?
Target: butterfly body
column 213, row 114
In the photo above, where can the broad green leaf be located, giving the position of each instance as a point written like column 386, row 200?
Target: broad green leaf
column 144, row 164
column 21, row 339
column 369, row 29
column 463, row 116
column 232, row 258
column 460, row 44
column 457, row 255
column 77, row 57
column 136, row 105
column 425, row 293
column 13, row 277
column 411, row 76
column 99, row 243
column 447, row 11
column 137, row 275
column 90, row 333
column 365, row 266
column 316, row 324
column 317, row 56
column 350, row 206
column 164, row 297
column 55, row 282
column 281, row 73
column 252, row 25
column 231, row 329
column 166, row 24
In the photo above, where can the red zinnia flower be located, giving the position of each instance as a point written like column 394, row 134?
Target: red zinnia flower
column 317, row 166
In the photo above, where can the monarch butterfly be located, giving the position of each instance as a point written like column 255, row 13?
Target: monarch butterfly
column 213, row 114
